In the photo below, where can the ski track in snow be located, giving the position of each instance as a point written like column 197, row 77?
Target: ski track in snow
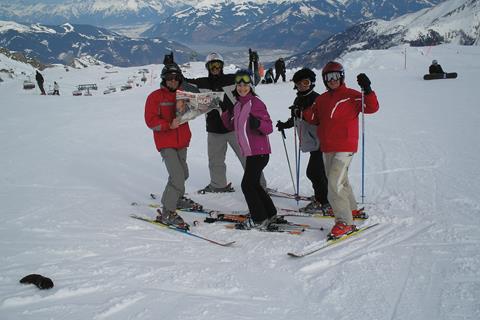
column 71, row 166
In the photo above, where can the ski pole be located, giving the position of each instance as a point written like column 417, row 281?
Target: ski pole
column 288, row 159
column 299, row 155
column 296, row 158
column 363, row 147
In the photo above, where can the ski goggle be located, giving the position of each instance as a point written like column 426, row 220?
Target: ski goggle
column 303, row 83
column 245, row 78
column 215, row 65
column 332, row 76
column 173, row 76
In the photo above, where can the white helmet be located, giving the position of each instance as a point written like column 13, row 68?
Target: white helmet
column 214, row 56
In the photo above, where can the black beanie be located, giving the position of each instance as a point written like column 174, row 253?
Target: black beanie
column 304, row 73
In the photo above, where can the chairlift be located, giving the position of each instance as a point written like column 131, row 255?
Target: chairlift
column 28, row 84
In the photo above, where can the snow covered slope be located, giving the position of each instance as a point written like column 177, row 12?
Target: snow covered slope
column 71, row 166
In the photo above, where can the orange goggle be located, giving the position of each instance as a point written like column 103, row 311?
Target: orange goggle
column 215, row 65
column 245, row 78
column 303, row 83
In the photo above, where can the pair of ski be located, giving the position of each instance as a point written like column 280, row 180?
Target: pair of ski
column 300, row 254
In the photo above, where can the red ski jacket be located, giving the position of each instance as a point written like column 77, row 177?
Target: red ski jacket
column 160, row 110
column 336, row 114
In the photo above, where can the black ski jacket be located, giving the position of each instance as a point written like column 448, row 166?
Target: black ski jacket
column 217, row 84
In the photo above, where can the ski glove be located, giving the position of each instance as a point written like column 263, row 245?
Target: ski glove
column 253, row 122
column 284, row 125
column 364, row 83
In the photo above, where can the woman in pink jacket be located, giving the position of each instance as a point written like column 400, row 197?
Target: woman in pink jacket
column 252, row 124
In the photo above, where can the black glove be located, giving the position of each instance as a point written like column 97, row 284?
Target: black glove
column 40, row 281
column 226, row 106
column 364, row 83
column 284, row 125
column 253, row 122
column 295, row 111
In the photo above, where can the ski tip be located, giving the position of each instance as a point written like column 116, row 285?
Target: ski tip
column 294, row 255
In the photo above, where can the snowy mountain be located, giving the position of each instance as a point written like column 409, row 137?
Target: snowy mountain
column 453, row 21
column 94, row 12
column 279, row 24
column 267, row 23
column 62, row 43
column 71, row 166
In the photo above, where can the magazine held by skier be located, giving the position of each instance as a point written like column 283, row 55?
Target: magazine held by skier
column 191, row 105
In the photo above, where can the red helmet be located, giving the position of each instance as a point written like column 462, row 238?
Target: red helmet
column 330, row 67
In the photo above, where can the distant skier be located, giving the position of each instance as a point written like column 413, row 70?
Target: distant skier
column 304, row 80
column 56, row 88
column 171, row 140
column 219, row 137
column 253, row 65
column 336, row 114
column 280, row 70
column 268, row 76
column 435, row 68
column 40, row 82
column 168, row 58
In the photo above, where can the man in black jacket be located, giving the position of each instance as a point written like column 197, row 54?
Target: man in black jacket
column 304, row 80
column 280, row 70
column 218, row 136
column 40, row 81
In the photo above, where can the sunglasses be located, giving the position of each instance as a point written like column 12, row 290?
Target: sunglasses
column 303, row 83
column 173, row 76
column 245, row 78
column 215, row 65
column 332, row 76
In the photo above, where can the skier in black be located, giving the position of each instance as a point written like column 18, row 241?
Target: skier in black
column 280, row 69
column 219, row 137
column 40, row 82
column 435, row 68
column 304, row 80
column 253, row 60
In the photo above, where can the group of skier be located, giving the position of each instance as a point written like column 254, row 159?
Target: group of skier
column 327, row 125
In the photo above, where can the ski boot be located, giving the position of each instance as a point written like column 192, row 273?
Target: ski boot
column 171, row 218
column 210, row 189
column 185, row 203
column 359, row 214
column 341, row 229
column 317, row 207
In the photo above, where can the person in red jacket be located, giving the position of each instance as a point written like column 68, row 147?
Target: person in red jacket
column 336, row 114
column 171, row 140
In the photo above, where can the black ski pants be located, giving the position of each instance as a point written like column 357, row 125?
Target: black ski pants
column 316, row 174
column 259, row 203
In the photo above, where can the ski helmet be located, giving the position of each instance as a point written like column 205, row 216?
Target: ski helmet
column 213, row 57
column 171, row 69
column 330, row 67
column 434, row 62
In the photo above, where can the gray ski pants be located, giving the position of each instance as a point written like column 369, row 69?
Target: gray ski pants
column 340, row 193
column 217, row 151
column 176, row 163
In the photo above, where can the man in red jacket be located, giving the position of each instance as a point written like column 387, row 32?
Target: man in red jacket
column 336, row 114
column 171, row 140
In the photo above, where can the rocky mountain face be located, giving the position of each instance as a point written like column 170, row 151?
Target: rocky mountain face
column 282, row 24
column 63, row 43
column 452, row 21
